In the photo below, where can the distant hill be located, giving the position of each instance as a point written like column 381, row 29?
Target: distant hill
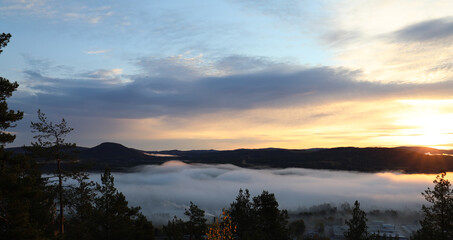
column 116, row 156
column 403, row 159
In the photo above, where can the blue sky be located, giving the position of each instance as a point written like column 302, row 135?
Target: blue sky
column 229, row 74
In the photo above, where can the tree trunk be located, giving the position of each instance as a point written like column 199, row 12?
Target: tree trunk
column 60, row 192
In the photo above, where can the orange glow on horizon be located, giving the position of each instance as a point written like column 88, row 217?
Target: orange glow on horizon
column 378, row 123
column 428, row 178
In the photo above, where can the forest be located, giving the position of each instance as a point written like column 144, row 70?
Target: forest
column 65, row 204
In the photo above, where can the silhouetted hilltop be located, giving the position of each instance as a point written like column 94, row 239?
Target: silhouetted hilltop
column 404, row 159
column 115, row 156
column 111, row 152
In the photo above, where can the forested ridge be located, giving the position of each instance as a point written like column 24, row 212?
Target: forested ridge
column 372, row 159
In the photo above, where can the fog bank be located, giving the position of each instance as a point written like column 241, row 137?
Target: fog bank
column 166, row 190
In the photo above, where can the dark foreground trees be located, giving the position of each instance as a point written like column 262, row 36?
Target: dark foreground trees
column 357, row 224
column 104, row 214
column 242, row 214
column 175, row 229
column 297, row 228
column 26, row 207
column 196, row 226
column 438, row 215
column 255, row 219
column 260, row 219
column 26, row 202
column 7, row 116
column 27, row 199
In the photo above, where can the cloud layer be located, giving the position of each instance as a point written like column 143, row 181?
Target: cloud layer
column 427, row 31
column 166, row 190
column 176, row 87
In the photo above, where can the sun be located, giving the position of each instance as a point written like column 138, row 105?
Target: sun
column 428, row 123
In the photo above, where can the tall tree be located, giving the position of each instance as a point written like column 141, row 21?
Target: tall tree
column 242, row 214
column 7, row 116
column 51, row 145
column 81, row 224
column 438, row 216
column 25, row 204
column 175, row 229
column 297, row 229
column 272, row 222
column 114, row 218
column 260, row 218
column 197, row 222
column 357, row 224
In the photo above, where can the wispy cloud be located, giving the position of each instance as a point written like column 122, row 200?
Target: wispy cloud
column 56, row 10
column 426, row 31
column 392, row 43
column 98, row 51
column 33, row 7
column 110, row 76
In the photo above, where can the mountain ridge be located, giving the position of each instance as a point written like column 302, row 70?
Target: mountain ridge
column 370, row 159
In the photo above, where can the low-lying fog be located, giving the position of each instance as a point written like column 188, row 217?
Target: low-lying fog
column 166, row 190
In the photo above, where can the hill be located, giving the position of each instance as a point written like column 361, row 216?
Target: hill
column 403, row 159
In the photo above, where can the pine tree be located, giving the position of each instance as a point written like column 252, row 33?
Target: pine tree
column 175, row 229
column 196, row 225
column 260, row 218
column 26, row 205
column 438, row 216
column 7, row 116
column 297, row 229
column 114, row 219
column 242, row 214
column 81, row 207
column 271, row 222
column 52, row 146
column 357, row 224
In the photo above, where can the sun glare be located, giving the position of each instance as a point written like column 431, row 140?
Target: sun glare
column 427, row 123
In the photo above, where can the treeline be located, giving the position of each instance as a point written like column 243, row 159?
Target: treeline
column 370, row 159
column 29, row 206
column 256, row 218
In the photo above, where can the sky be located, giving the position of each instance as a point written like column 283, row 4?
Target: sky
column 227, row 74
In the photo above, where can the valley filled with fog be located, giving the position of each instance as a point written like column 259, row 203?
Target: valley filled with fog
column 166, row 190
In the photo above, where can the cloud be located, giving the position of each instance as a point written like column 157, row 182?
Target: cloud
column 176, row 87
column 56, row 10
column 45, row 66
column 88, row 15
column 179, row 67
column 287, row 10
column 97, row 51
column 34, row 7
column 165, row 190
column 239, row 64
column 340, row 37
column 430, row 30
column 110, row 76
column 390, row 42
